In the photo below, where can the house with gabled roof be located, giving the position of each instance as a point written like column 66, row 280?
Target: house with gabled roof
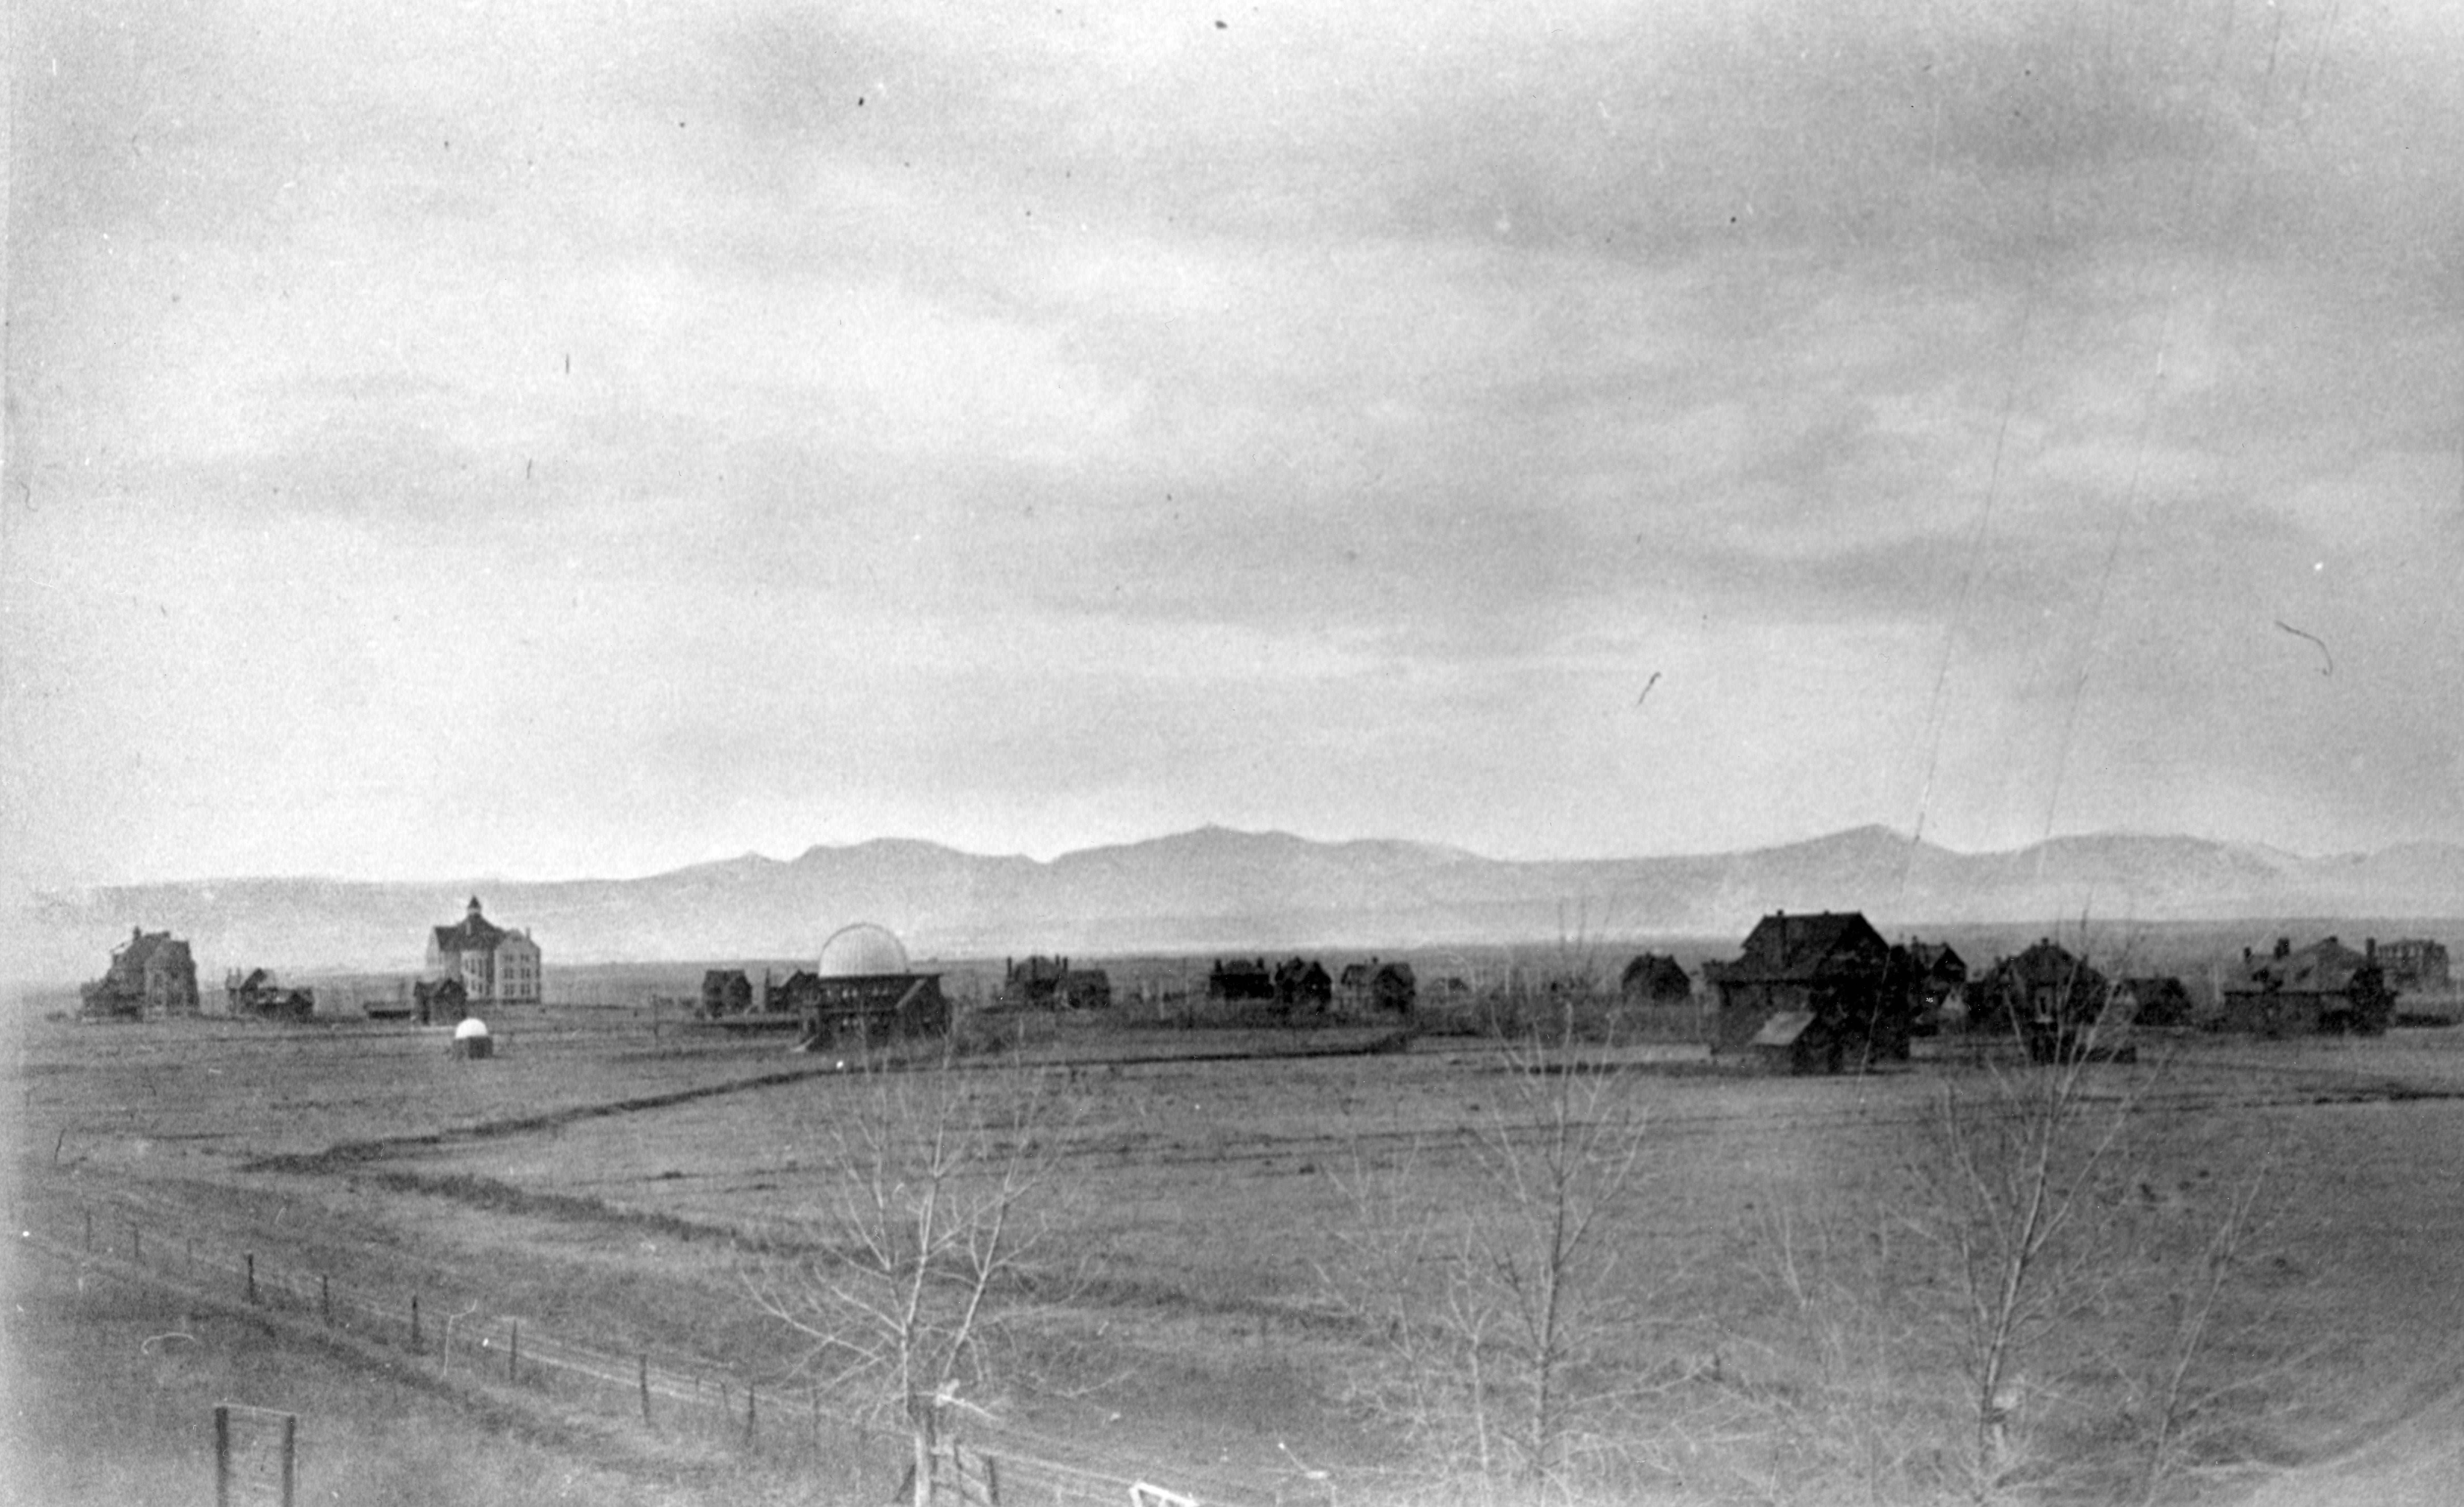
column 151, row 973
column 2047, row 996
column 1830, row 973
column 1937, row 976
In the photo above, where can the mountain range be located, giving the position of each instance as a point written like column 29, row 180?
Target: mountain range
column 1217, row 890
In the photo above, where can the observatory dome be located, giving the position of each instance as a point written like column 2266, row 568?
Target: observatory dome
column 861, row 950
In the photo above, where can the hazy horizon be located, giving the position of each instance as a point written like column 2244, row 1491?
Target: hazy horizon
column 568, row 442
column 443, row 880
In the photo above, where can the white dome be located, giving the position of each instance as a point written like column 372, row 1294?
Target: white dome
column 471, row 1026
column 861, row 950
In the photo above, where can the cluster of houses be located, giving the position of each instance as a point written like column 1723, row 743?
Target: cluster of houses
column 1301, row 988
column 1808, row 992
column 471, row 964
column 1825, row 992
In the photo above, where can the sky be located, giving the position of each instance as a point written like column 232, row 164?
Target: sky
column 549, row 439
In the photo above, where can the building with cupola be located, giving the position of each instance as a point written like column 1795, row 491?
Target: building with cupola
column 494, row 965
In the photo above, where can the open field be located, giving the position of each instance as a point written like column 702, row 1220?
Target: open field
column 614, row 1193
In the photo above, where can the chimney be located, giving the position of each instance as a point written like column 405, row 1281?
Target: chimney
column 2283, row 946
column 2371, row 948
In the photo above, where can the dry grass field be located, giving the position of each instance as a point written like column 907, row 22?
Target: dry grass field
column 1767, row 1319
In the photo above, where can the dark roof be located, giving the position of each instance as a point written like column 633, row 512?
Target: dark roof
column 2045, row 962
column 2147, row 986
column 1039, row 969
column 1787, row 948
column 1652, row 966
column 2325, row 967
column 1936, row 957
column 473, row 933
column 130, row 960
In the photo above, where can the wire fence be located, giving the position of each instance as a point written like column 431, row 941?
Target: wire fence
column 685, row 1402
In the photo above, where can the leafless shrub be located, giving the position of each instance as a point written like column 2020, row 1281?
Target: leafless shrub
column 1505, row 1314
column 923, row 1243
column 2087, row 1296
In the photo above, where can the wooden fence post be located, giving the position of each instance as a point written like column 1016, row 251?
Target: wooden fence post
column 222, row 1456
column 290, row 1446
column 136, row 1245
column 252, row 1276
column 642, row 1372
column 89, row 1229
column 514, row 1357
column 751, row 1402
column 414, row 1323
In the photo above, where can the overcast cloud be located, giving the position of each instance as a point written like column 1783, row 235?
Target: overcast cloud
column 543, row 440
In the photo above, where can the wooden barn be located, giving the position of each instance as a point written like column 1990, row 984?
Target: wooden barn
column 1832, row 968
column 151, row 973
column 2323, row 988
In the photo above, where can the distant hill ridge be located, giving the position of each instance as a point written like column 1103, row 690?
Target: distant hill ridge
column 1216, row 889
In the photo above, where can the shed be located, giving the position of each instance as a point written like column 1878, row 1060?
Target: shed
column 1793, row 1042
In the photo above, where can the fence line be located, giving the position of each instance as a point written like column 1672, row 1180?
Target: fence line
column 668, row 1393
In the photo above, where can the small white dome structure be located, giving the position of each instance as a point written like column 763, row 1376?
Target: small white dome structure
column 862, row 950
column 470, row 1039
column 471, row 1026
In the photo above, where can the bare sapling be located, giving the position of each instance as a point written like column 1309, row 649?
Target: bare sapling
column 1503, row 1314
column 2023, row 1165
column 2041, row 1176
column 929, row 1209
column 2207, row 1346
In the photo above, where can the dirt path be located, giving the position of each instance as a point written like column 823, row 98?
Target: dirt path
column 2420, row 1463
